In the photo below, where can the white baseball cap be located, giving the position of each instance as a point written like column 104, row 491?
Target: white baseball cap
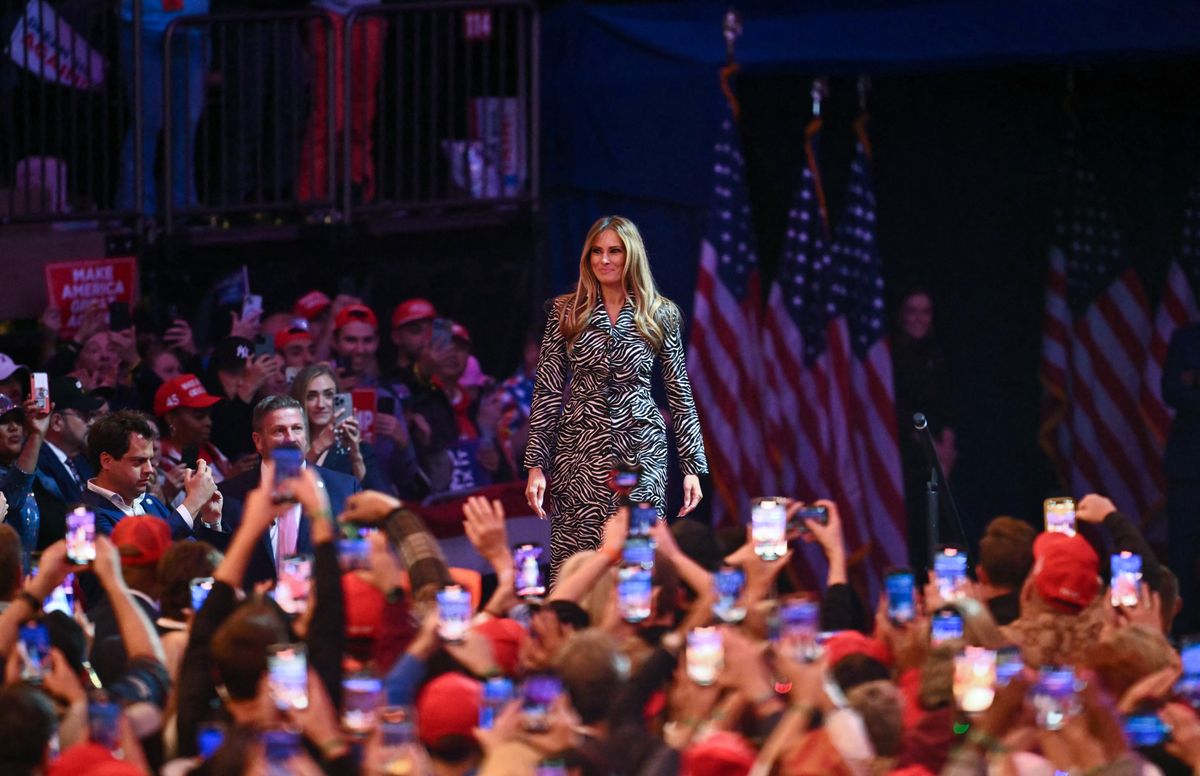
column 8, row 367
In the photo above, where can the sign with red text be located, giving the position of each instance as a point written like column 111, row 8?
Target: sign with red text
column 44, row 44
column 477, row 25
column 75, row 287
column 365, row 401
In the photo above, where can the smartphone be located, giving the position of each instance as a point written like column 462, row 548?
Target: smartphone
column 209, row 738
column 798, row 625
column 537, row 695
column 34, row 645
column 946, row 625
column 353, row 554
column 454, row 614
column 975, row 679
column 902, row 604
column 642, row 518
column 1008, row 665
column 361, row 696
column 200, row 587
column 950, row 572
column 635, row 592
column 104, row 721
column 705, row 655
column 638, row 551
column 189, row 456
column 624, row 478
column 527, row 571
column 386, row 405
column 1060, row 515
column 343, row 407
column 289, row 462
column 768, row 527
column 119, row 317
column 279, row 747
column 264, row 346
column 81, row 536
column 252, row 305
column 1125, row 584
column 729, row 582
column 497, row 693
column 1055, row 696
column 287, row 675
column 289, row 374
column 62, row 599
column 1146, row 730
column 796, row 523
column 295, row 581
column 39, row 389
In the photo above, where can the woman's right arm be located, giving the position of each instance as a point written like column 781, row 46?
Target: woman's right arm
column 547, row 393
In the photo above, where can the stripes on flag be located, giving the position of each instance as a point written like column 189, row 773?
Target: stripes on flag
column 1176, row 308
column 1095, row 336
column 830, row 400
column 724, row 356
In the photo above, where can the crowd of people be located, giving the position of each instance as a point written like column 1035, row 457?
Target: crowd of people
column 239, row 617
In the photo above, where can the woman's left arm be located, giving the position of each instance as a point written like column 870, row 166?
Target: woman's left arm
column 684, row 419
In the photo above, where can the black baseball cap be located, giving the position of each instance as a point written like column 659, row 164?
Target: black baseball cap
column 67, row 393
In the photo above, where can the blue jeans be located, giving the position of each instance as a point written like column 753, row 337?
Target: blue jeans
column 189, row 61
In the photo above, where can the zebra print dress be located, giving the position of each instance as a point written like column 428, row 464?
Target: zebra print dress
column 608, row 417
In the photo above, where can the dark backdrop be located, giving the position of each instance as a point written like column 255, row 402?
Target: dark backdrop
column 966, row 175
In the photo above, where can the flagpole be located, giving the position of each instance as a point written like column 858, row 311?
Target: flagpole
column 732, row 30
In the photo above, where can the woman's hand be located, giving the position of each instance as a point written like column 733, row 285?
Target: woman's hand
column 351, row 434
column 535, row 491
column 691, row 494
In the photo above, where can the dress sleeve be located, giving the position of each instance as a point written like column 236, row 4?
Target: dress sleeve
column 684, row 418
column 547, row 393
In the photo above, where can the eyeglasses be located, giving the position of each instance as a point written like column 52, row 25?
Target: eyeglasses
column 86, row 417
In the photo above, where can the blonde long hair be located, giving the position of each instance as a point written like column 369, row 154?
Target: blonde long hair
column 651, row 310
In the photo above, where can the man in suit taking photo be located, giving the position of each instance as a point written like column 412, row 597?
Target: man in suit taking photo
column 62, row 468
column 278, row 421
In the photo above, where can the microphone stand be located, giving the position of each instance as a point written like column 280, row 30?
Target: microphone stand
column 933, row 487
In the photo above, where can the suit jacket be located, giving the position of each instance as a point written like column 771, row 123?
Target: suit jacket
column 262, row 562
column 1182, row 392
column 107, row 514
column 57, row 493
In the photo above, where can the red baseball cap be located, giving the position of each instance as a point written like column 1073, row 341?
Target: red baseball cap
column 412, row 310
column 363, row 606
column 311, row 305
column 90, row 759
column 852, row 642
column 720, row 754
column 183, row 391
column 506, row 637
column 457, row 330
column 293, row 333
column 1065, row 570
column 447, row 706
column 141, row 539
column 355, row 312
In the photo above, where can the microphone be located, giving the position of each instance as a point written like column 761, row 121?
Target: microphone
column 920, row 422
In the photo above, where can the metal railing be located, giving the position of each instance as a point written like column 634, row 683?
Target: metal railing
column 301, row 115
column 241, row 151
column 62, row 111
column 456, row 124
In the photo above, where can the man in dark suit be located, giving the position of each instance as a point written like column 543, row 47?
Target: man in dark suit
column 278, row 421
column 121, row 449
column 1181, row 390
column 62, row 468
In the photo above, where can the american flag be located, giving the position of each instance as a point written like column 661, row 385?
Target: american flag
column 1176, row 308
column 723, row 354
column 878, row 514
column 830, row 401
column 1095, row 334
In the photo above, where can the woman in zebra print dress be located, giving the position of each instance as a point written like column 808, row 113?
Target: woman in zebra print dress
column 606, row 336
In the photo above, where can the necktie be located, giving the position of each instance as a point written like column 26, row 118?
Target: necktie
column 285, row 538
column 74, row 470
